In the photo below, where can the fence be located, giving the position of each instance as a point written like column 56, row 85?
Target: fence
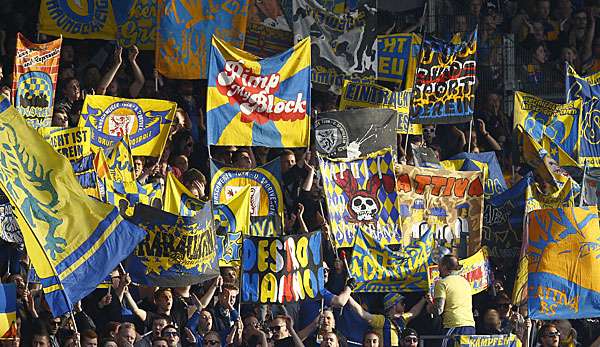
column 503, row 64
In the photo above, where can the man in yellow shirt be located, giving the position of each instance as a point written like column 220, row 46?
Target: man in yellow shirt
column 453, row 301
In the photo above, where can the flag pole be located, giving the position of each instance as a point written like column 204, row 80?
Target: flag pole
column 583, row 192
column 422, row 33
column 28, row 270
column 470, row 134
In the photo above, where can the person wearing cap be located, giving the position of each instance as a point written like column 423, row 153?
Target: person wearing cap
column 393, row 322
column 409, row 338
column 452, row 300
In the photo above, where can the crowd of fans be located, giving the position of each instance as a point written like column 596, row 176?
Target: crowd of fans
column 209, row 314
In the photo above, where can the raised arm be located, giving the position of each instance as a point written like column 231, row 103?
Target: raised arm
column 139, row 80
column 134, row 307
column 417, row 308
column 362, row 313
column 207, row 297
column 487, row 137
column 110, row 74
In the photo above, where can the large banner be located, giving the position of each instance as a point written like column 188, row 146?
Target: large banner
column 266, row 199
column 177, row 251
column 34, row 80
column 444, row 91
column 588, row 89
column 476, row 269
column 564, row 257
column 361, row 95
column 140, row 26
column 487, row 340
column 185, row 28
column 146, row 121
column 397, row 56
column 361, row 195
column 378, row 268
column 553, row 126
column 355, row 133
column 282, row 269
column 448, row 202
column 74, row 144
column 343, row 45
column 258, row 102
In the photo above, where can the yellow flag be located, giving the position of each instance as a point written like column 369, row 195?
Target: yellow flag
column 178, row 199
column 82, row 19
column 120, row 161
column 232, row 220
column 72, row 240
column 535, row 199
column 146, row 121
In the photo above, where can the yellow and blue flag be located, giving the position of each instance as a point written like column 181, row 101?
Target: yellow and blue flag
column 553, row 126
column 74, row 144
column 139, row 27
column 84, row 19
column 178, row 199
column 126, row 195
column 564, row 281
column 397, row 56
column 233, row 220
column 258, row 102
column 8, row 310
column 73, row 241
column 146, row 121
column 120, row 160
column 588, row 90
column 361, row 195
column 177, row 251
column 266, row 198
column 377, row 268
column 185, row 29
column 535, row 199
column 509, row 340
column 487, row 162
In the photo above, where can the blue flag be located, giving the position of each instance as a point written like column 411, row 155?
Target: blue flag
column 73, row 241
column 178, row 251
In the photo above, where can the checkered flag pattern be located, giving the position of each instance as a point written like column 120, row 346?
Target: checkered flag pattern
column 343, row 203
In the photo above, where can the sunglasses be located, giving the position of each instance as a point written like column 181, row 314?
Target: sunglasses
column 277, row 327
column 171, row 333
column 411, row 339
column 211, row 342
column 552, row 334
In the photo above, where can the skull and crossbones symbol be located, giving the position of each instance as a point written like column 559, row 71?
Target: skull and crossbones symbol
column 363, row 205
